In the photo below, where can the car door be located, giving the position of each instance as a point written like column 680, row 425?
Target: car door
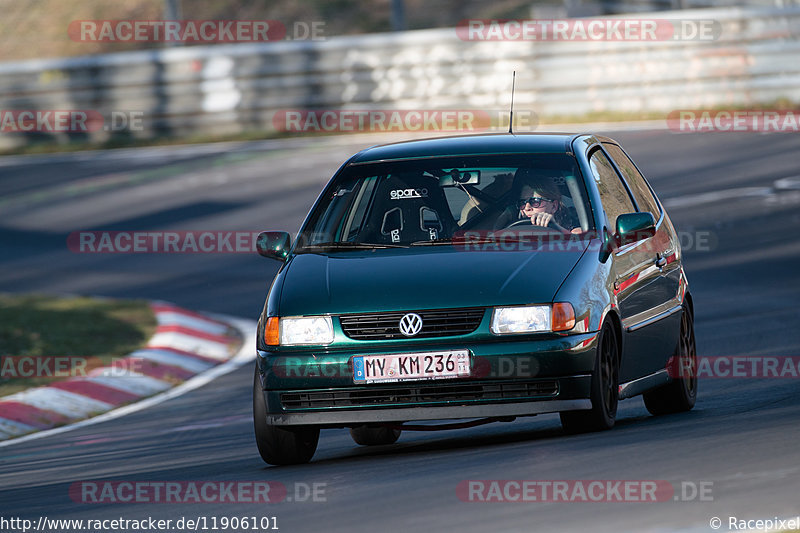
column 659, row 324
column 635, row 271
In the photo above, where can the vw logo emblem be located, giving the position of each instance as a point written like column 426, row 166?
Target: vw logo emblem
column 410, row 324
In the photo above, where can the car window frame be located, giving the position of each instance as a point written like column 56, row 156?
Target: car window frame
column 621, row 173
column 367, row 186
column 589, row 154
column 315, row 216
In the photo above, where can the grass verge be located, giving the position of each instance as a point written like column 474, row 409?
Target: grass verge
column 64, row 337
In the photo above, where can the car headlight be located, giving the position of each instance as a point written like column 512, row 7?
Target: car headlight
column 533, row 319
column 295, row 331
column 526, row 319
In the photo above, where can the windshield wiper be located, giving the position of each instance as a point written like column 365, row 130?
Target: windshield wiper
column 433, row 242
column 467, row 241
column 461, row 241
column 346, row 245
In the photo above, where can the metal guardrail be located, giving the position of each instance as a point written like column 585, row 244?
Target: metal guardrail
column 224, row 89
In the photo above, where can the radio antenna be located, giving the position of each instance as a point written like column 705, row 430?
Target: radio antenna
column 511, row 112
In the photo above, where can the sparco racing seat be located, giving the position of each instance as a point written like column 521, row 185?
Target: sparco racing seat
column 409, row 207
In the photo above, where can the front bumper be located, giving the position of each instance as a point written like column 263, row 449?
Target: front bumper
column 405, row 414
column 509, row 378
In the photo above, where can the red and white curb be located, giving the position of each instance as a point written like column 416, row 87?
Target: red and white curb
column 188, row 349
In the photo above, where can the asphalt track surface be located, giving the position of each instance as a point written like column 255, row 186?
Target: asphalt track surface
column 742, row 435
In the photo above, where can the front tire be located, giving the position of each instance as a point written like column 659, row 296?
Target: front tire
column 281, row 445
column 681, row 394
column 374, row 436
column 605, row 389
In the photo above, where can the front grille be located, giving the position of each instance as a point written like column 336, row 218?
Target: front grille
column 439, row 393
column 436, row 323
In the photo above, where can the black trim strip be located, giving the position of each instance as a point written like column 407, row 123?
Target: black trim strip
column 656, row 318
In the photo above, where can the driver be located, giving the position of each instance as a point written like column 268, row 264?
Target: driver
column 538, row 199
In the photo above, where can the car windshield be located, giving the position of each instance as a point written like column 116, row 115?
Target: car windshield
column 433, row 200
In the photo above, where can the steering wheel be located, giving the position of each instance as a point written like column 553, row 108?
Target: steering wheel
column 526, row 222
column 552, row 226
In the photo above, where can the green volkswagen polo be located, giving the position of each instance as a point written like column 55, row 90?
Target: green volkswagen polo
column 479, row 278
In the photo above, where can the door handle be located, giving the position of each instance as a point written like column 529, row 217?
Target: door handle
column 661, row 261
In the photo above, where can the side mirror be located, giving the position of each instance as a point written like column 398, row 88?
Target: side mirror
column 273, row 244
column 633, row 227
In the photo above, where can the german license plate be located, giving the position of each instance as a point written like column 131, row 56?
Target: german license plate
column 411, row 366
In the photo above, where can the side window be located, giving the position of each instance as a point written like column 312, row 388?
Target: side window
column 639, row 188
column 613, row 194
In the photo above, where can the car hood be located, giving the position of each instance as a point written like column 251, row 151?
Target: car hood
column 428, row 278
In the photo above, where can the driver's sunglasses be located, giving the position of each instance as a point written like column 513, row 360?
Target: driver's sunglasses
column 533, row 200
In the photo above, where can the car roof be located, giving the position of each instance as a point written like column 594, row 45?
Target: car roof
column 487, row 143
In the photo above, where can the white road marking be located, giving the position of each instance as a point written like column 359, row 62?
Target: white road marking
column 791, row 184
column 783, row 185
column 691, row 200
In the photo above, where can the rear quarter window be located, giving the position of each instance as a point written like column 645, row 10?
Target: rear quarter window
column 639, row 188
column 613, row 194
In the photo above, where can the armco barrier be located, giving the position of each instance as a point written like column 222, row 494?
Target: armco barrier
column 239, row 87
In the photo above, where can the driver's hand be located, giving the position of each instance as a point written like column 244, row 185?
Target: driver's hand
column 541, row 219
